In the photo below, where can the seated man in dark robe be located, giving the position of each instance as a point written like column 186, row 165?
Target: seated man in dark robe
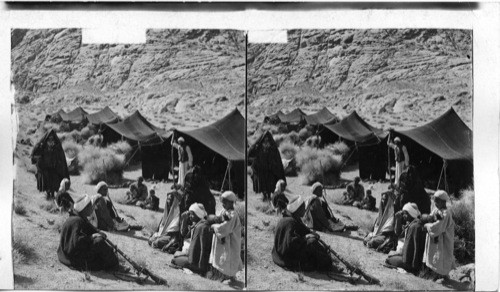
column 201, row 243
column 414, row 245
column 318, row 215
column 82, row 246
column 107, row 216
column 295, row 246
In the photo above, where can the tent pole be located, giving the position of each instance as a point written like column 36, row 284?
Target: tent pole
column 229, row 166
column 224, row 180
column 440, row 176
column 445, row 165
column 126, row 164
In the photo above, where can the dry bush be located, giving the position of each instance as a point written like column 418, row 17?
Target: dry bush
column 71, row 148
column 318, row 165
column 50, row 126
column 463, row 215
column 339, row 148
column 49, row 206
column 101, row 164
column 264, row 207
column 288, row 150
column 305, row 133
column 22, row 251
column 121, row 147
column 86, row 133
column 19, row 208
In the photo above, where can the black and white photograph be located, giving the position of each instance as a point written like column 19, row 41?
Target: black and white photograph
column 361, row 160
column 129, row 161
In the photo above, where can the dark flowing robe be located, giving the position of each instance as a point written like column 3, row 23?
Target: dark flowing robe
column 414, row 246
column 77, row 249
column 105, row 213
column 412, row 190
column 197, row 190
column 318, row 211
column 293, row 251
column 51, row 166
column 266, row 165
column 200, row 247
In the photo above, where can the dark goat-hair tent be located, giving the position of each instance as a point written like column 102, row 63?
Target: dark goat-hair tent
column 150, row 139
column 295, row 116
column 320, row 117
column 369, row 142
column 442, row 149
column 219, row 149
column 106, row 115
column 274, row 118
column 77, row 115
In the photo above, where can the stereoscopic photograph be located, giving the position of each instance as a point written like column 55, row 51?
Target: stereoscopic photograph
column 130, row 161
column 360, row 161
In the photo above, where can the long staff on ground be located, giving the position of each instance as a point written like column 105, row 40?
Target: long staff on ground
column 350, row 267
column 138, row 268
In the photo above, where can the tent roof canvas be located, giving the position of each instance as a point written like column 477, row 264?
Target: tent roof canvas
column 320, row 117
column 77, row 115
column 294, row 116
column 225, row 136
column 106, row 115
column 279, row 114
column 354, row 128
column 136, row 127
column 447, row 136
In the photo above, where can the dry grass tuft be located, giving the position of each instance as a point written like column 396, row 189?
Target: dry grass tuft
column 19, row 208
column 288, row 150
column 22, row 251
column 339, row 148
column 318, row 165
column 49, row 206
column 463, row 215
column 304, row 133
column 101, row 164
column 121, row 147
column 264, row 207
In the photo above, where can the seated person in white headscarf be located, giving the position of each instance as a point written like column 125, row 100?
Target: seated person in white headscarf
column 200, row 245
column 296, row 247
column 414, row 241
column 278, row 198
column 82, row 246
column 107, row 216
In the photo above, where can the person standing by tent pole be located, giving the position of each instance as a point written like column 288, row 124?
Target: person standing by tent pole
column 185, row 158
column 401, row 157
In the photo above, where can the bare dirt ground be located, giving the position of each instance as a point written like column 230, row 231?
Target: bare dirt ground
column 38, row 232
column 264, row 274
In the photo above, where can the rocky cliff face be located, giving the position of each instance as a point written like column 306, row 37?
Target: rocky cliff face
column 393, row 78
column 195, row 73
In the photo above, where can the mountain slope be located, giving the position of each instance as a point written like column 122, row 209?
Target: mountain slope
column 393, row 78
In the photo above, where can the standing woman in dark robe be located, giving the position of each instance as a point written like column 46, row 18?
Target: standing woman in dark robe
column 267, row 168
column 51, row 167
column 411, row 189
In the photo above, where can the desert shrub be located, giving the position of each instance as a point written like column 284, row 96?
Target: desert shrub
column 49, row 206
column 19, row 208
column 50, row 126
column 22, row 251
column 101, row 164
column 121, row 147
column 264, row 207
column 293, row 137
column 305, row 133
column 339, row 148
column 273, row 129
column 463, row 215
column 288, row 150
column 95, row 140
column 86, row 133
column 313, row 141
column 318, row 165
column 71, row 148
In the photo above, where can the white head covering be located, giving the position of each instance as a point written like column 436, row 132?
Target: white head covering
column 279, row 185
column 315, row 186
column 412, row 209
column 100, row 185
column 294, row 204
column 442, row 195
column 180, row 140
column 199, row 210
column 82, row 203
column 62, row 186
column 228, row 195
column 397, row 139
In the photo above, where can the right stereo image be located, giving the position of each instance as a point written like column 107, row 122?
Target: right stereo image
column 360, row 161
